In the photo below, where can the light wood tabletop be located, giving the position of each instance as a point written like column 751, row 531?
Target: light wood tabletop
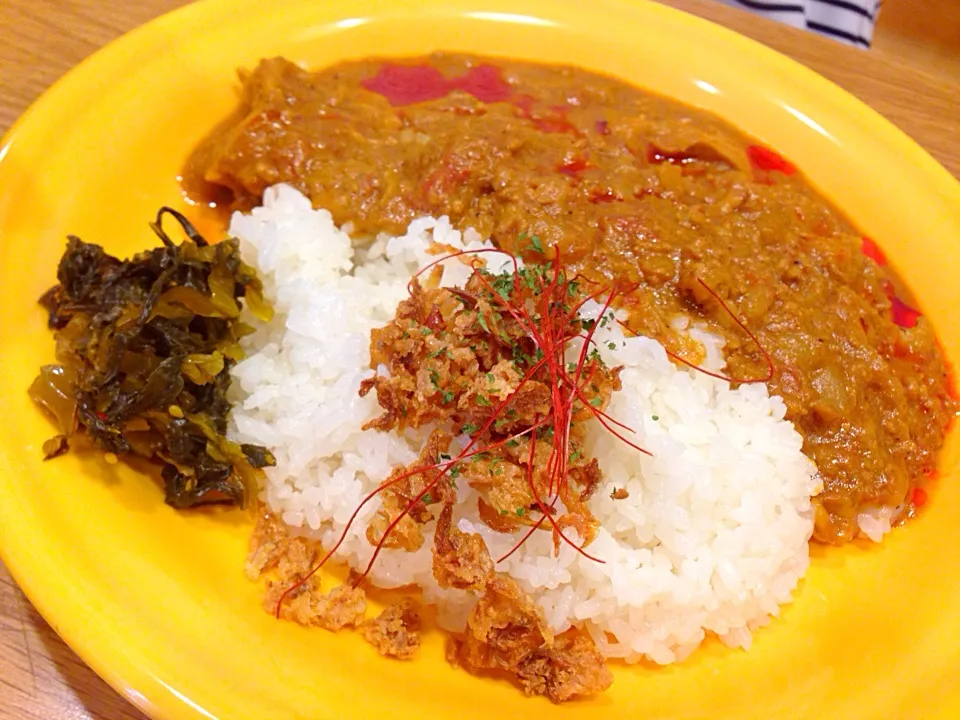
column 40, row 678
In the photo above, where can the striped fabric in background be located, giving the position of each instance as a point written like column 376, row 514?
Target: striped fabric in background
column 849, row 21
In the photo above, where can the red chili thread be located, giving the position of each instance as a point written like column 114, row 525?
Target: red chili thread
column 552, row 338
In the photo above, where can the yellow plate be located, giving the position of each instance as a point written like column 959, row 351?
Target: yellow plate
column 156, row 600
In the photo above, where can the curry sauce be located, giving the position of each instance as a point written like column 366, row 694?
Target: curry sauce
column 629, row 188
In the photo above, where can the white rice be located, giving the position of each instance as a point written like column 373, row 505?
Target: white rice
column 874, row 523
column 712, row 538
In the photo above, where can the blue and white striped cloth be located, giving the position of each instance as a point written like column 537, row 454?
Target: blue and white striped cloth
column 849, row 21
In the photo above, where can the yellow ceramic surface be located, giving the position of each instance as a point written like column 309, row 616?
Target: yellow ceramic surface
column 156, row 600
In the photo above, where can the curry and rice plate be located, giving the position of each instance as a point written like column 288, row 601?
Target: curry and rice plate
column 583, row 368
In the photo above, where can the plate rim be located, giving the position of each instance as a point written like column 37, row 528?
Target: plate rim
column 167, row 702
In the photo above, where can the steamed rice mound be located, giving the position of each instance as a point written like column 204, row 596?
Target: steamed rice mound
column 709, row 535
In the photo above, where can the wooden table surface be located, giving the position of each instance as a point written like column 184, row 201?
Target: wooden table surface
column 40, row 678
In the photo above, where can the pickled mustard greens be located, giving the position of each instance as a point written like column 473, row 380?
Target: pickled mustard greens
column 144, row 349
